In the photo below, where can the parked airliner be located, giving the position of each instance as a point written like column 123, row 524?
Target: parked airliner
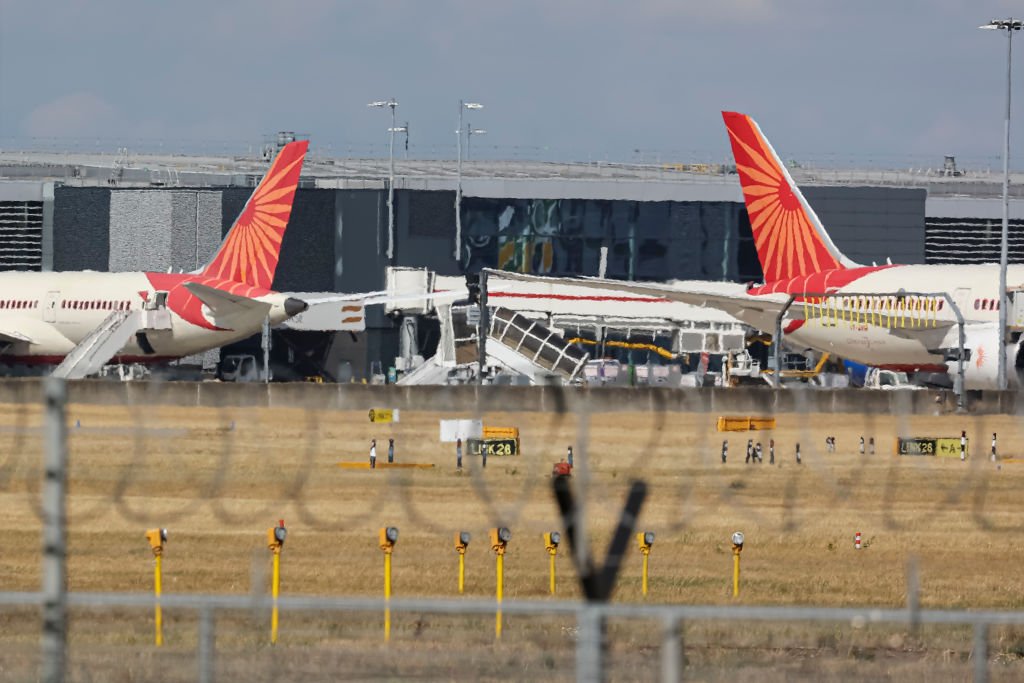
column 873, row 315
column 162, row 316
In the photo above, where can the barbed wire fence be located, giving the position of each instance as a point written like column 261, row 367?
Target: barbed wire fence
column 218, row 464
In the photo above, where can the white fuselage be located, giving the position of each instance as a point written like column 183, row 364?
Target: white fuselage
column 974, row 289
column 56, row 311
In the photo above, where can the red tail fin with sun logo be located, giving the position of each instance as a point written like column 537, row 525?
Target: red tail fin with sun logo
column 250, row 251
column 790, row 240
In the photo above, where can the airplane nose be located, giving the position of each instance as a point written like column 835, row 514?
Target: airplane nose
column 293, row 306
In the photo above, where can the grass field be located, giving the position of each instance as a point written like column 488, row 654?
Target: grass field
column 218, row 478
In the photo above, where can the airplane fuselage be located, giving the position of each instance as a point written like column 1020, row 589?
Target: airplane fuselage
column 58, row 310
column 974, row 289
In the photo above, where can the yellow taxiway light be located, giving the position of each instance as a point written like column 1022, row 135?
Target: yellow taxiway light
column 275, row 542
column 461, row 543
column 500, row 536
column 388, row 537
column 644, row 540
column 737, row 548
column 157, row 538
column 551, row 541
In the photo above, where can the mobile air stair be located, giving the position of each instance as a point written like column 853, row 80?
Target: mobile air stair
column 103, row 343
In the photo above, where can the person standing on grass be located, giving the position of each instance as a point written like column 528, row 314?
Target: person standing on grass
column 373, row 454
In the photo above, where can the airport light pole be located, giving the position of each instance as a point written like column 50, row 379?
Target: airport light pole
column 1009, row 25
column 392, row 104
column 463, row 105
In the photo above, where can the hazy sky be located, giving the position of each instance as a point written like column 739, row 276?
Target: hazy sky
column 872, row 81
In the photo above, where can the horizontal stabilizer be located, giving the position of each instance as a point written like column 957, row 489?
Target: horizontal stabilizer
column 229, row 311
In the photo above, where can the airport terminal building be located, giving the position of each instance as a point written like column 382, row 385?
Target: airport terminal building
column 631, row 222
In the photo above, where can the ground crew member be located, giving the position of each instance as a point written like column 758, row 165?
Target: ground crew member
column 798, row 453
column 373, row 454
column 568, row 456
column 771, row 451
column 725, row 450
column 963, row 445
column 862, row 445
column 391, row 450
column 993, row 447
column 458, row 453
column 750, row 450
column 871, row 445
column 758, row 454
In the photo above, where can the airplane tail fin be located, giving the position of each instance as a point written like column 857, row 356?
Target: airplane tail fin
column 251, row 249
column 789, row 237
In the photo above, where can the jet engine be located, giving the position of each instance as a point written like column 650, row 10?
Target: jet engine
column 981, row 363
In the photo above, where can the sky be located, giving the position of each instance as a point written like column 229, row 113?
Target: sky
column 883, row 83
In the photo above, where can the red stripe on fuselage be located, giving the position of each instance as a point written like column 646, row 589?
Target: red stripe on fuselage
column 573, row 297
column 188, row 306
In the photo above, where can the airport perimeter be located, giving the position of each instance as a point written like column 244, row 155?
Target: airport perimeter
column 934, row 591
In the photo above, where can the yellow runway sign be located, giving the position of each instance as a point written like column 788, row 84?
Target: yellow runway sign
column 383, row 415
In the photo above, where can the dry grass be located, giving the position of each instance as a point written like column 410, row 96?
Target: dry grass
column 217, row 488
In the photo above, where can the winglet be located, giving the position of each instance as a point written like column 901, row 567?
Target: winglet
column 789, row 237
column 250, row 252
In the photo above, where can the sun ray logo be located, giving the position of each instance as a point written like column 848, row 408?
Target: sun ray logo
column 979, row 354
column 786, row 231
column 250, row 252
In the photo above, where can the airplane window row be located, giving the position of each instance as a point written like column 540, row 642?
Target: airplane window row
column 986, row 305
column 95, row 305
column 18, row 304
column 913, row 304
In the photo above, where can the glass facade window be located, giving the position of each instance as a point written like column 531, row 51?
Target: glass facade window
column 643, row 240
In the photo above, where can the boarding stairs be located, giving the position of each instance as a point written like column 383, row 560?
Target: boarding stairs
column 103, row 343
column 515, row 343
column 526, row 346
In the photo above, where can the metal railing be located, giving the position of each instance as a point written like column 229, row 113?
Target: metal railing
column 671, row 618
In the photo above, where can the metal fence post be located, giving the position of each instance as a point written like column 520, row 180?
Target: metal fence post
column 590, row 644
column 206, row 644
column 54, row 637
column 672, row 650
column 980, row 653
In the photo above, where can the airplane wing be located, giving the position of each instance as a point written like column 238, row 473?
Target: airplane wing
column 229, row 311
column 10, row 335
column 729, row 297
column 382, row 297
column 347, row 312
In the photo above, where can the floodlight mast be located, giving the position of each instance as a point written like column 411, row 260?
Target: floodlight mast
column 392, row 104
column 463, row 105
column 1009, row 25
